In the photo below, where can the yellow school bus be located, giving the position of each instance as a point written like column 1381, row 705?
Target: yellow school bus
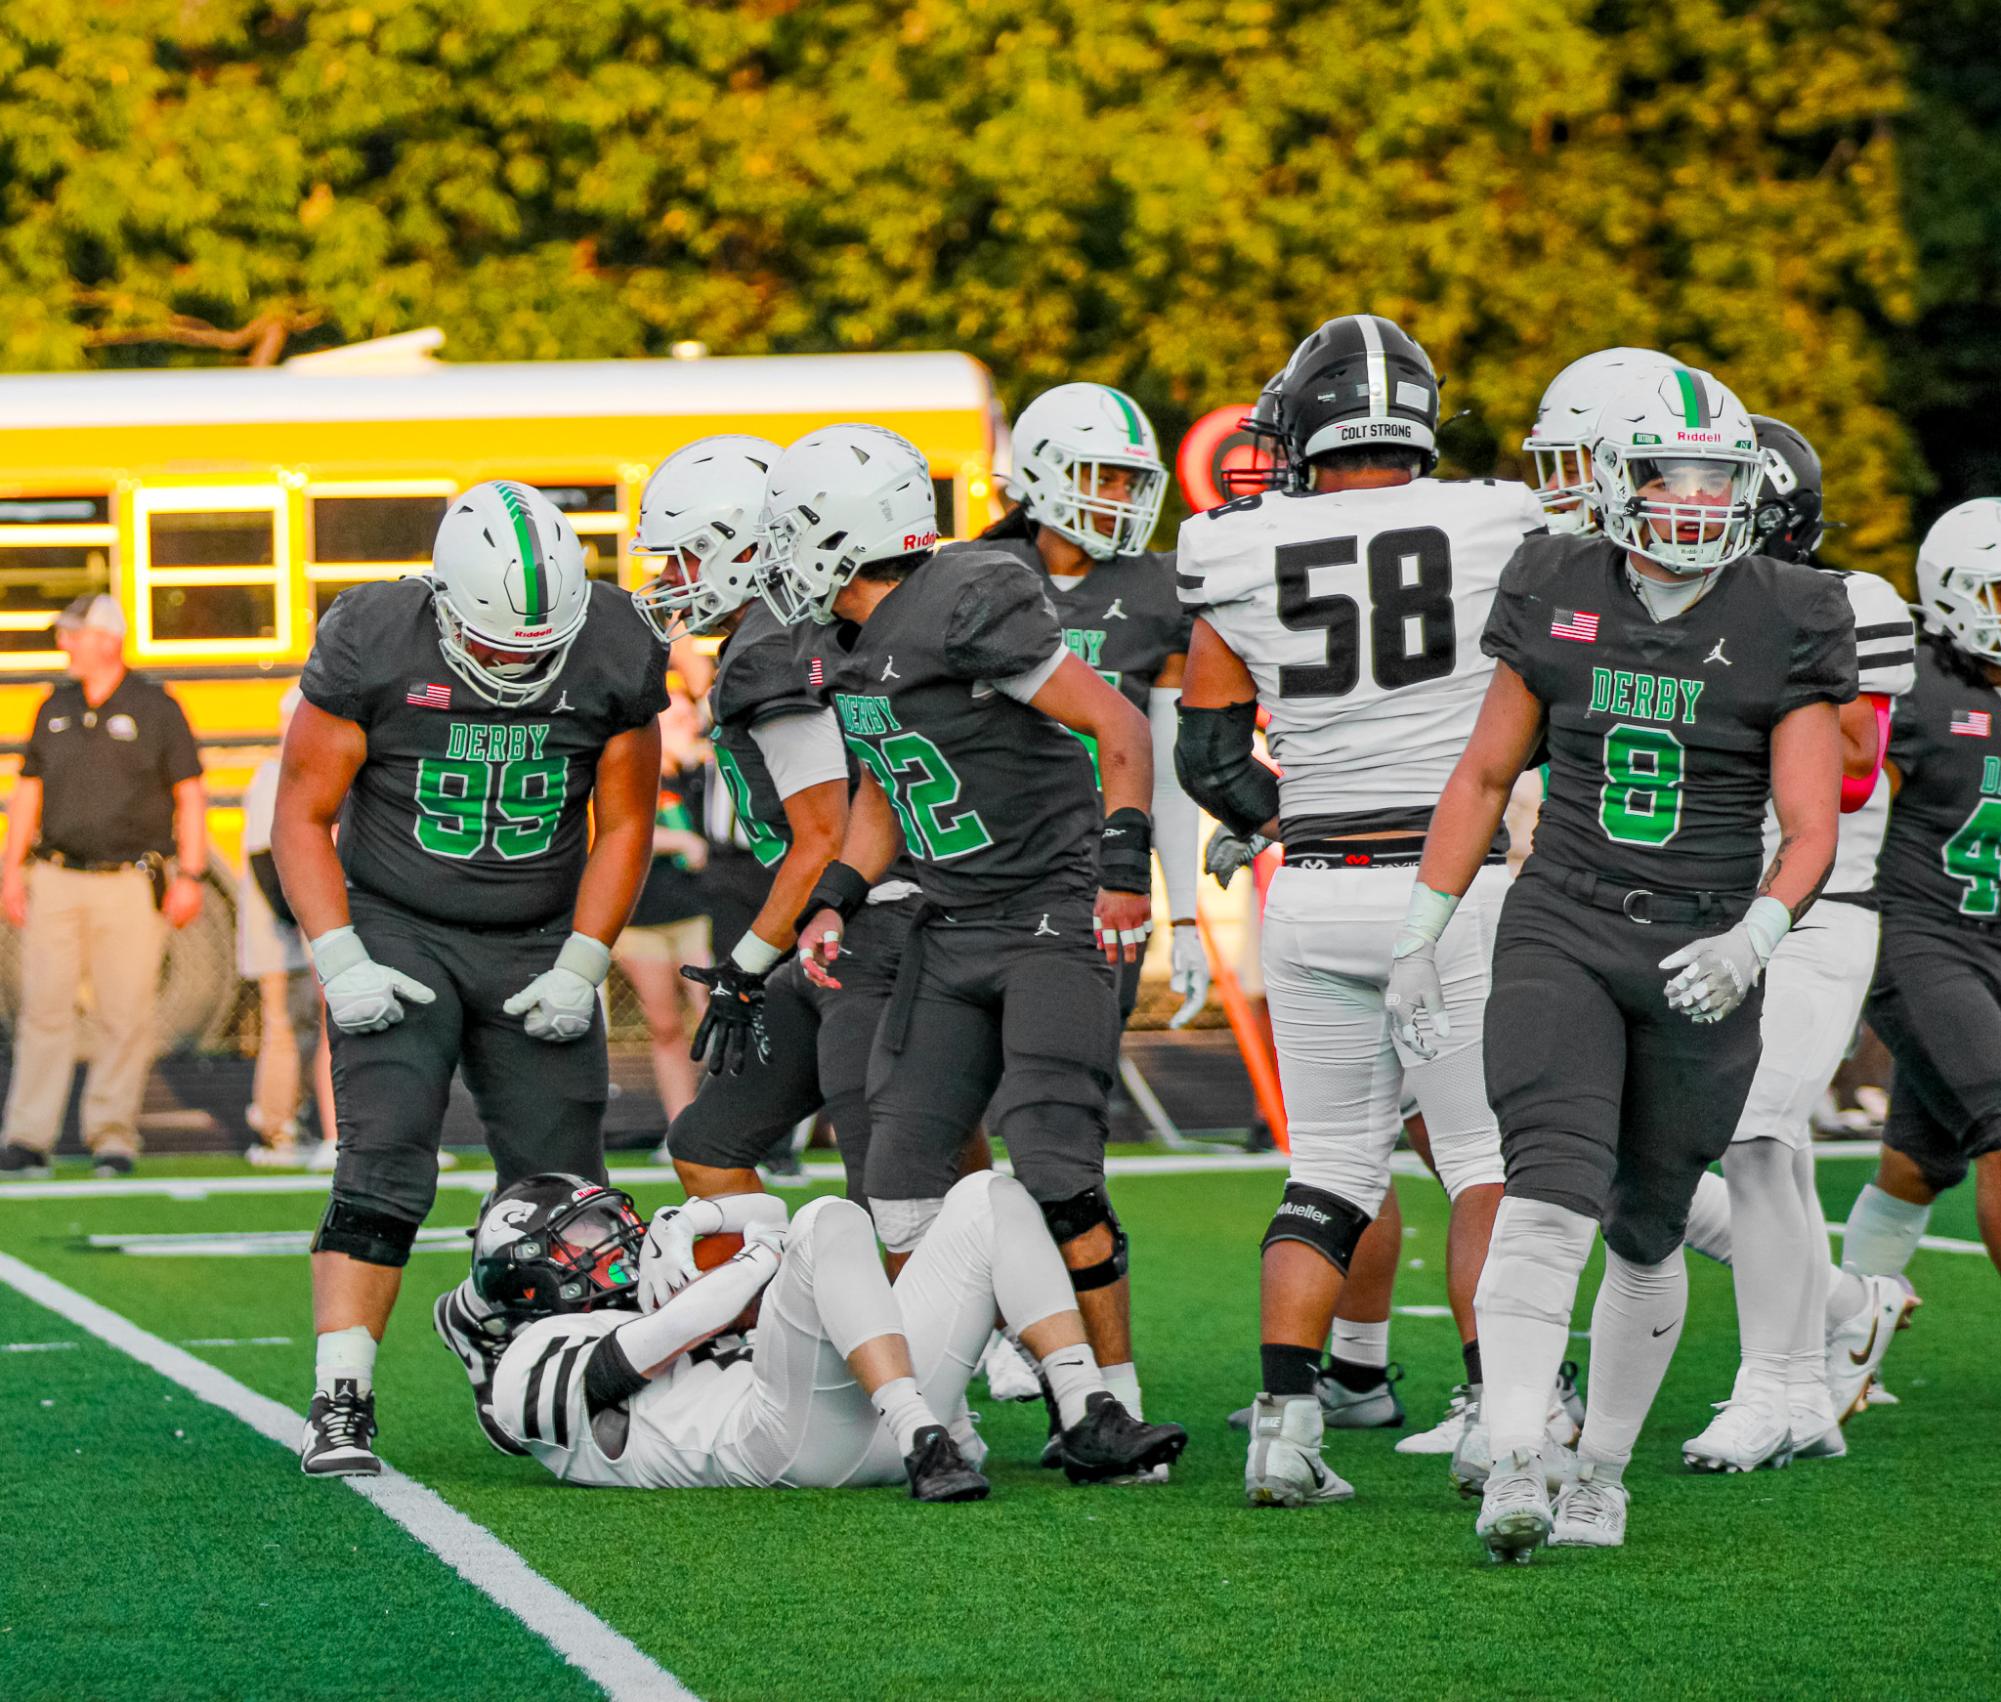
column 227, row 508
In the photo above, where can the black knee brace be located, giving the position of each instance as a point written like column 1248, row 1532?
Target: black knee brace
column 1079, row 1215
column 1325, row 1222
column 364, row 1233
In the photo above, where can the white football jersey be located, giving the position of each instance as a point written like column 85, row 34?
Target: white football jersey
column 1358, row 614
column 1886, row 664
column 675, row 1424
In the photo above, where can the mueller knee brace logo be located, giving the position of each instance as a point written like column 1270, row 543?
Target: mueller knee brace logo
column 1299, row 1208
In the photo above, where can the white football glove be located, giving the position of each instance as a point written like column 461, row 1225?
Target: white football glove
column 561, row 1001
column 1190, row 977
column 666, row 1258
column 1719, row 970
column 362, row 995
column 766, row 1234
column 1227, row 853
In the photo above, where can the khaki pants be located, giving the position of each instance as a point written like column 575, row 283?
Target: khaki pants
column 102, row 928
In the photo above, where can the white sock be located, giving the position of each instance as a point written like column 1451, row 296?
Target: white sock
column 1708, row 1230
column 1806, row 1368
column 348, row 1355
column 1073, row 1378
column 1522, row 1307
column 1123, row 1381
column 1634, row 1328
column 1775, row 1259
column 1883, row 1233
column 903, row 1410
column 1361, row 1344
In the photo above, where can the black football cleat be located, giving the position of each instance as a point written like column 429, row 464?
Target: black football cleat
column 938, row 1471
column 1109, row 1442
column 478, row 1345
column 23, row 1163
column 340, row 1434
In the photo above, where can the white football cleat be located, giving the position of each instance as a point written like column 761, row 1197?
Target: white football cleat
column 1591, row 1512
column 1443, row 1437
column 1879, row 1395
column 1377, row 1407
column 1855, row 1347
column 1473, row 1453
column 1515, row 1517
column 1747, row 1433
column 1010, row 1374
column 1815, row 1434
column 1283, row 1467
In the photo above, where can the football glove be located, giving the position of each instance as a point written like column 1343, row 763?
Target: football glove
column 362, row 995
column 1227, row 853
column 666, row 1258
column 732, row 1028
column 1414, row 990
column 1190, row 976
column 1719, row 971
column 561, row 1001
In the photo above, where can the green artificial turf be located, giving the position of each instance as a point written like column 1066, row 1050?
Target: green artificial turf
column 1875, row 1575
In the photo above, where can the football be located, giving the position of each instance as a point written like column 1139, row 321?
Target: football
column 714, row 1250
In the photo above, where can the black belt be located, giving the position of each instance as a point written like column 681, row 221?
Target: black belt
column 1642, row 904
column 1392, row 851
column 146, row 861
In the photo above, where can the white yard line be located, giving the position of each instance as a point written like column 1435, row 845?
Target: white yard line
column 613, row 1662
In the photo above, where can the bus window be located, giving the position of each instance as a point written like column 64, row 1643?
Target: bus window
column 374, row 529
column 582, row 499
column 192, row 612
column 600, row 522
column 211, row 538
column 212, row 568
column 52, row 549
column 946, row 493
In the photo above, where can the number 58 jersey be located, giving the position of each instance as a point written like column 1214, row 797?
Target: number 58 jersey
column 1358, row 614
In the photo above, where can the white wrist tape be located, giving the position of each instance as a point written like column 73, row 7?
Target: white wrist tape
column 753, row 955
column 1768, row 921
column 586, row 956
column 1425, row 920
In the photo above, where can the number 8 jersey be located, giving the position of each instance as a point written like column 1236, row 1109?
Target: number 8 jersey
column 1359, row 616
column 1660, row 733
column 464, row 812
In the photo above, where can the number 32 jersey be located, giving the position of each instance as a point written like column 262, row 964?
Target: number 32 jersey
column 1660, row 733
column 463, row 812
column 1358, row 614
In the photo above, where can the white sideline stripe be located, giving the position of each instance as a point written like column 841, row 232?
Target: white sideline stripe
column 471, row 1550
column 479, row 1181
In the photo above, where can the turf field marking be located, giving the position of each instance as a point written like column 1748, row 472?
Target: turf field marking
column 619, row 1666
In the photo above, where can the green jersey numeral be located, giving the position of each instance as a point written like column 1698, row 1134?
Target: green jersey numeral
column 921, row 786
column 767, row 844
column 1973, row 855
column 1640, row 803
column 457, row 801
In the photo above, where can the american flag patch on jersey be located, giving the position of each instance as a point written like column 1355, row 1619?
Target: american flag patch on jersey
column 1972, row 723
column 816, row 673
column 1578, row 625
column 429, row 697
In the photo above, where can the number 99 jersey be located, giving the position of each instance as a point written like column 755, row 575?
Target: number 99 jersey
column 1343, row 604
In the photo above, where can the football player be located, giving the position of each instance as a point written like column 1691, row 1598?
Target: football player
column 1768, row 1211
column 1677, row 680
column 1349, row 607
column 615, row 1375
column 486, row 737
column 1089, row 482
column 959, row 695
column 1559, row 443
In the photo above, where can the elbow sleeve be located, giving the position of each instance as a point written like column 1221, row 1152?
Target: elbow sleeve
column 1218, row 767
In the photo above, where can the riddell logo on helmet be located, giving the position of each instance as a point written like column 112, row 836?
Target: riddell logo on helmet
column 919, row 540
column 1681, row 436
column 533, row 631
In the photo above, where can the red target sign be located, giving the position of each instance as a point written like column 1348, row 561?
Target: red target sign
column 1216, row 445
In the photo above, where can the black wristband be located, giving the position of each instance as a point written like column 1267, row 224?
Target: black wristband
column 841, row 889
column 1125, row 852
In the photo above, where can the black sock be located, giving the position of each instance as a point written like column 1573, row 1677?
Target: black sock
column 1352, row 1376
column 1289, row 1370
column 1471, row 1354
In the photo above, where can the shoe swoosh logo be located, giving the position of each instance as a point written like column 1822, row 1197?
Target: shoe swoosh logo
column 1663, row 1330
column 1869, row 1346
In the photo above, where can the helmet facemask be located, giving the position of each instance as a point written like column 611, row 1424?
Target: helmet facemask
column 1066, row 493
column 808, row 570
column 557, row 1244
column 1563, row 485
column 512, row 684
column 716, row 573
column 1689, row 513
column 1966, row 603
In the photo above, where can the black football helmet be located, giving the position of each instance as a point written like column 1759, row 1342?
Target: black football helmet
column 556, row 1243
column 1359, row 382
column 1786, row 521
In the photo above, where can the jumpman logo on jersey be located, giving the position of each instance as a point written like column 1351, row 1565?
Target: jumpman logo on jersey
column 1115, row 612
column 1716, row 655
column 562, row 703
column 889, row 669
column 1043, row 927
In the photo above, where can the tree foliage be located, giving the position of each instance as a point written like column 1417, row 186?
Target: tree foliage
column 1164, row 194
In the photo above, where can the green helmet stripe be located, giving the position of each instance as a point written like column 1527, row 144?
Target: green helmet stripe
column 534, row 577
column 1135, row 426
column 1694, row 405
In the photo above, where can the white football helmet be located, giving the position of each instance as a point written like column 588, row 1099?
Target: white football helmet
column 1959, row 577
column 1063, row 443
column 1566, row 422
column 839, row 498
column 507, row 574
column 701, row 518
column 1675, row 470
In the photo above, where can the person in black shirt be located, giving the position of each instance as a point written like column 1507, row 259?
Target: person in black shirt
column 109, row 792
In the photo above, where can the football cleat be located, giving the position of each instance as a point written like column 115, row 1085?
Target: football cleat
column 1591, row 1512
column 1855, row 1347
column 1747, row 1434
column 1443, row 1437
column 340, row 1433
column 110, row 1166
column 23, row 1163
column 1879, row 1395
column 478, row 1344
column 1515, row 1516
column 1378, row 1407
column 938, row 1471
column 1108, row 1442
column 1473, row 1453
column 1815, row 1434
column 1283, row 1467
column 1011, row 1374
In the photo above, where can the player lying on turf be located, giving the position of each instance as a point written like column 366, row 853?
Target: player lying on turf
column 621, row 1371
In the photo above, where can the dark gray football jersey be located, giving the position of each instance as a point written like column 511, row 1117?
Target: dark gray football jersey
column 1660, row 733
column 995, row 799
column 1941, row 857
column 764, row 671
column 463, row 811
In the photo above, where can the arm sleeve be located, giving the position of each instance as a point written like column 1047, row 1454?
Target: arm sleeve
column 1023, row 686
column 801, row 750
column 1177, row 823
column 180, row 757
column 1822, row 665
column 332, row 679
column 1000, row 624
column 704, row 1309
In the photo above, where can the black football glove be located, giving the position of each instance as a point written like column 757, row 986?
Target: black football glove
column 732, row 1029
